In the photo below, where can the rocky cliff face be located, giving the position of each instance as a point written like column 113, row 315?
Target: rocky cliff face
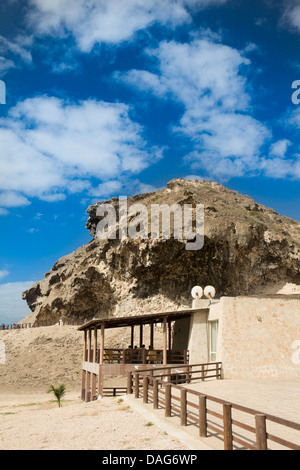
column 247, row 248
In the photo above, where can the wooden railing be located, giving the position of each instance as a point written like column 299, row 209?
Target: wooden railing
column 113, row 391
column 239, row 427
column 139, row 356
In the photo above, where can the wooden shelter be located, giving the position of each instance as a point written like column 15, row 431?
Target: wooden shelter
column 99, row 361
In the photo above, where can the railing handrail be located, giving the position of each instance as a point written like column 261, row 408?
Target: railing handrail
column 260, row 418
column 142, row 355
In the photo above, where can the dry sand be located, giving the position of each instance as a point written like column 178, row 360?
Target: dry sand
column 35, row 422
column 30, row 418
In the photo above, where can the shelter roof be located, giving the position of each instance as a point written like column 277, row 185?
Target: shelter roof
column 132, row 320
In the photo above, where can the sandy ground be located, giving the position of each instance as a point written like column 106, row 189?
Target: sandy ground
column 35, row 422
column 30, row 418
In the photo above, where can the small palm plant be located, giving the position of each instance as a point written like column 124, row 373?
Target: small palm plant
column 59, row 392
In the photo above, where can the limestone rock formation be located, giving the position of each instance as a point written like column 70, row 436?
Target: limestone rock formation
column 247, row 248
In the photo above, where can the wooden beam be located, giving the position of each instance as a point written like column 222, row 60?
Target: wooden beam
column 227, row 424
column 95, row 344
column 132, row 336
column 83, row 373
column 152, row 335
column 100, row 381
column 165, row 341
column 90, row 346
column 102, row 344
column 261, row 432
column 170, row 334
column 141, row 336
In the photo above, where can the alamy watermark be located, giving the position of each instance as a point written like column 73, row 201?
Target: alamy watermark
column 2, row 92
column 133, row 222
column 2, row 353
column 296, row 353
column 296, row 94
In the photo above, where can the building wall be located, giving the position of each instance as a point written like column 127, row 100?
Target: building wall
column 198, row 337
column 181, row 334
column 257, row 336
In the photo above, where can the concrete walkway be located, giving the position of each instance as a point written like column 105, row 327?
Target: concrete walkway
column 280, row 398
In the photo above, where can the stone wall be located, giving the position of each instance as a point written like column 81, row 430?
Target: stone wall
column 258, row 336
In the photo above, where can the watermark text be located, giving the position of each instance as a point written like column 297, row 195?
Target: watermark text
column 185, row 223
column 296, row 94
column 2, row 92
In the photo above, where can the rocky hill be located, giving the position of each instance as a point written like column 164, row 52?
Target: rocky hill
column 36, row 358
column 248, row 249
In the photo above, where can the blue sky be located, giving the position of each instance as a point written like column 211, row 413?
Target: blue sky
column 109, row 98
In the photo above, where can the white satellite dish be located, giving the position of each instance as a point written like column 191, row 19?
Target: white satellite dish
column 209, row 292
column 197, row 292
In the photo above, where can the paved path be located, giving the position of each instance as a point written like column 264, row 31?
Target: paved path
column 280, row 398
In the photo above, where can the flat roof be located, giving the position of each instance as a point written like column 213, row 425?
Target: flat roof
column 117, row 322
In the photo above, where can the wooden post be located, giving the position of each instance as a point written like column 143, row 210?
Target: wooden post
column 144, row 355
column 88, row 374
column 93, row 395
column 227, row 422
column 219, row 371
column 187, row 375
column 185, row 357
column 168, row 401
column 83, row 380
column 84, row 346
column 141, row 336
column 124, row 356
column 261, row 432
column 88, row 387
column 95, row 344
column 90, row 346
column 155, row 394
column 183, row 407
column 102, row 344
column 132, row 336
column 145, row 389
column 83, row 373
column 169, row 334
column 136, row 385
column 202, row 372
column 202, row 416
column 151, row 335
column 129, row 383
column 165, row 342
column 100, row 381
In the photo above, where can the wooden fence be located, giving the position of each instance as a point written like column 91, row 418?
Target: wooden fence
column 139, row 356
column 239, row 427
column 113, row 391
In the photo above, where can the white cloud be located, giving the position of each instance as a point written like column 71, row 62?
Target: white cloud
column 3, row 273
column 122, row 187
column 49, row 146
column 280, row 168
column 207, row 78
column 291, row 15
column 292, row 118
column 12, row 307
column 18, row 51
column 53, row 197
column 201, row 72
column 106, row 189
column 16, row 48
column 111, row 22
column 12, row 199
column 6, row 65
